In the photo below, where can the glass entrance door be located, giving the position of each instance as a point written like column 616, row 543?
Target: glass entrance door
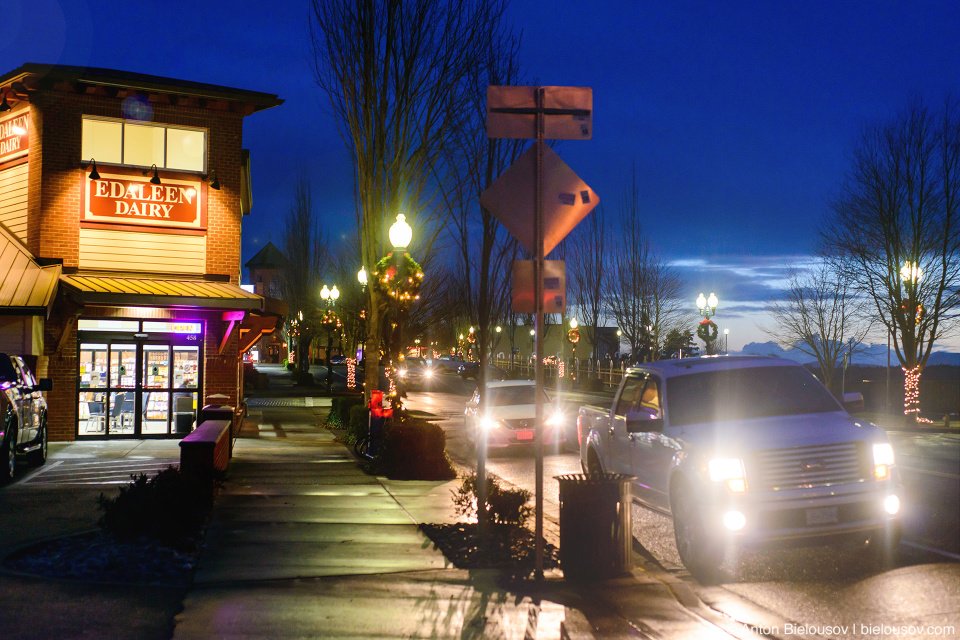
column 121, row 393
column 155, row 393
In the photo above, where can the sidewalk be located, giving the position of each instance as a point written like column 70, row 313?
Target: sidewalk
column 304, row 544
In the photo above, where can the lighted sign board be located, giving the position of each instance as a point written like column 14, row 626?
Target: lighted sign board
column 132, row 199
column 14, row 135
column 173, row 327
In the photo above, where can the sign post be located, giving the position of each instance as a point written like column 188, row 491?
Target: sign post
column 564, row 113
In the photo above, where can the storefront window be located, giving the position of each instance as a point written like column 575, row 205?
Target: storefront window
column 144, row 384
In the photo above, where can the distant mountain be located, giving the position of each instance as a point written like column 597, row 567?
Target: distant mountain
column 873, row 354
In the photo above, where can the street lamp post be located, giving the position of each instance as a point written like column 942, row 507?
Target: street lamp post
column 362, row 279
column 707, row 331
column 400, row 235
column 329, row 296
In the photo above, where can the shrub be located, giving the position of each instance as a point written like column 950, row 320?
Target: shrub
column 413, row 449
column 290, row 366
column 340, row 408
column 302, row 377
column 505, row 506
column 358, row 424
column 171, row 507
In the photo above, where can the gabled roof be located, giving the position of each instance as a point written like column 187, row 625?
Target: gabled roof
column 25, row 287
column 269, row 257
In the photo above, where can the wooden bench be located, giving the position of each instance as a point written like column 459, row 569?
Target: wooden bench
column 206, row 448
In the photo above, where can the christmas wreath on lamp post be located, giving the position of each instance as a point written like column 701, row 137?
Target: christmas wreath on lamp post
column 707, row 331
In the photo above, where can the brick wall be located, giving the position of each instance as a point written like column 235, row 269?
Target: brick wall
column 53, row 218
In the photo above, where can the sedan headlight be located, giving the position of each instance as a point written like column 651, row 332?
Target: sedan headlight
column 882, row 460
column 402, row 372
column 730, row 471
column 488, row 424
column 427, row 373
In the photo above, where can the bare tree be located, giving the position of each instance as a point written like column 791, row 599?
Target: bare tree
column 819, row 316
column 586, row 271
column 304, row 255
column 896, row 223
column 471, row 165
column 645, row 290
column 394, row 72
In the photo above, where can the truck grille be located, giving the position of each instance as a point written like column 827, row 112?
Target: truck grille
column 807, row 467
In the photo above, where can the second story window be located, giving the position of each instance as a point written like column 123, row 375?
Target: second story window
column 140, row 144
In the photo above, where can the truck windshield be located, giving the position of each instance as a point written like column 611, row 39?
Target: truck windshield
column 739, row 394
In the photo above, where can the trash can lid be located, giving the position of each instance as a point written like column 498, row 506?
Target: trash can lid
column 595, row 478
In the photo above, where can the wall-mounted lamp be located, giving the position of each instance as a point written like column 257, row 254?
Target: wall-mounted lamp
column 93, row 169
column 3, row 105
column 216, row 182
column 156, row 175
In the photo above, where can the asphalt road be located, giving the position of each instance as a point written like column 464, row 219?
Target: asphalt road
column 828, row 591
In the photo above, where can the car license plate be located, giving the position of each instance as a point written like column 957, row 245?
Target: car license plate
column 525, row 435
column 822, row 515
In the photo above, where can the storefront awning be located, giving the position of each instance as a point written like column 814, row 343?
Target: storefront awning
column 26, row 288
column 160, row 292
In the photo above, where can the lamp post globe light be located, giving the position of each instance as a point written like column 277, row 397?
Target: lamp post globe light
column 331, row 322
column 707, row 330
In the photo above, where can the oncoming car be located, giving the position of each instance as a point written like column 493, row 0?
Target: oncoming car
column 414, row 372
column 509, row 416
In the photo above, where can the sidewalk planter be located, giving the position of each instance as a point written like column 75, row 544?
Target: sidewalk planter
column 595, row 525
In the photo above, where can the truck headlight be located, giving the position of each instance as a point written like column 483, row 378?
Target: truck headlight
column 402, row 372
column 555, row 420
column 882, row 460
column 427, row 373
column 730, row 471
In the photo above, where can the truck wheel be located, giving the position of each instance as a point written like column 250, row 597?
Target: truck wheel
column 8, row 453
column 700, row 554
column 593, row 464
column 39, row 456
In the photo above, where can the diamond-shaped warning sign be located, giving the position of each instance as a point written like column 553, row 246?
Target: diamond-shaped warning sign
column 566, row 199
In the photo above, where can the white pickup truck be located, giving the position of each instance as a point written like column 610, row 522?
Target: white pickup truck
column 743, row 451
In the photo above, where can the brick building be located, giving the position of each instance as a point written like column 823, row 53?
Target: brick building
column 121, row 201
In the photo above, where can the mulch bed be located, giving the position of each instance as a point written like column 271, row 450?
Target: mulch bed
column 99, row 557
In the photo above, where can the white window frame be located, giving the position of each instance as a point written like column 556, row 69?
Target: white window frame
column 165, row 127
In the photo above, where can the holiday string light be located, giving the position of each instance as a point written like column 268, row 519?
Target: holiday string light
column 351, row 373
column 911, row 394
column 560, row 369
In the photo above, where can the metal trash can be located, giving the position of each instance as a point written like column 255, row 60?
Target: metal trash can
column 183, row 413
column 596, row 538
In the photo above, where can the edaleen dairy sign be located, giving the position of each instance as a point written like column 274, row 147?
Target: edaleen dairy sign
column 123, row 199
column 14, row 136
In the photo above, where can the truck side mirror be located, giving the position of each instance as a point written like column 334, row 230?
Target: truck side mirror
column 852, row 401
column 644, row 421
column 44, row 384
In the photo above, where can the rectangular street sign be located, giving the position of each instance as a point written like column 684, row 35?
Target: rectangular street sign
column 568, row 112
column 554, row 286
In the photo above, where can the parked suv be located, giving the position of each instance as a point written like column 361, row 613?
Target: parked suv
column 742, row 451
column 23, row 415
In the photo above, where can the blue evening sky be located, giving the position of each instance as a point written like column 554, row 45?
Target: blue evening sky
column 737, row 116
